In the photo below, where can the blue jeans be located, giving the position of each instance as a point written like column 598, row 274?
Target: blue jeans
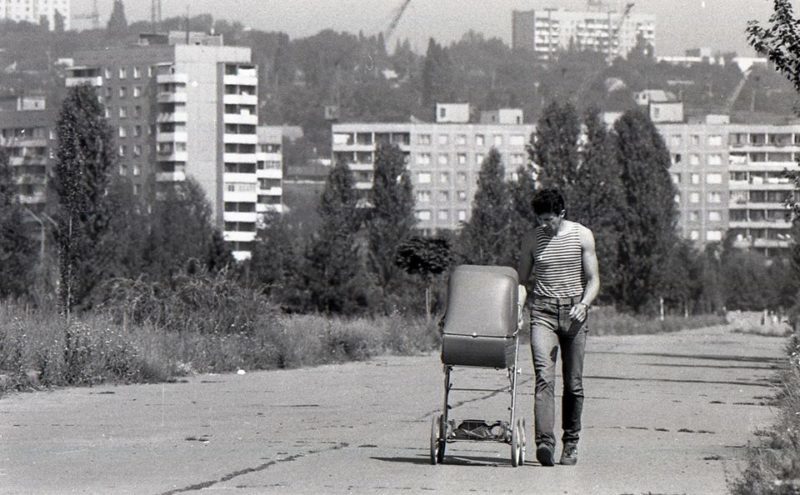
column 551, row 328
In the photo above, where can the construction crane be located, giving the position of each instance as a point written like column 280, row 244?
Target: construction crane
column 332, row 111
column 94, row 15
column 614, row 34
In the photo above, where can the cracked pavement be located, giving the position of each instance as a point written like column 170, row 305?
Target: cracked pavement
column 667, row 413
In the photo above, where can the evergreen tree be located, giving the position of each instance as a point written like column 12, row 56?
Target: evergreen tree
column 597, row 199
column 522, row 217
column 554, row 149
column 333, row 272
column 117, row 23
column 84, row 159
column 485, row 238
column 129, row 224
column 182, row 231
column 437, row 76
column 58, row 21
column 647, row 233
column 391, row 218
column 17, row 249
column 273, row 260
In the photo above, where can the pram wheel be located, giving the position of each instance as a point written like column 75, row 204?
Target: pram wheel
column 437, row 440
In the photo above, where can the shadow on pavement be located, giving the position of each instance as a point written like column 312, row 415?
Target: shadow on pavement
column 710, row 357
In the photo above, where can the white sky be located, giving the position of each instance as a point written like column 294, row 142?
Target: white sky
column 680, row 24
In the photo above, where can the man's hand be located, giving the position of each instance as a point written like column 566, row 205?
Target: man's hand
column 579, row 312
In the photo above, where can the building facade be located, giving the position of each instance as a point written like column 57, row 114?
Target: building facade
column 444, row 160
column 27, row 135
column 184, row 110
column 34, row 11
column 547, row 31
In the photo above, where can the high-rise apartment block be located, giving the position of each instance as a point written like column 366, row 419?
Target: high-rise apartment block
column 444, row 158
column 184, row 106
column 34, row 11
column 26, row 134
column 547, row 31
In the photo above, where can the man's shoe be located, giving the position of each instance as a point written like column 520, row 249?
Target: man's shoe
column 569, row 457
column 545, row 456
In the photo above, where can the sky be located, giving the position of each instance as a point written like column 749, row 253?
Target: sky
column 680, row 24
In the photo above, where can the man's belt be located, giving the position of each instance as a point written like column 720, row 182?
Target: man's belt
column 558, row 301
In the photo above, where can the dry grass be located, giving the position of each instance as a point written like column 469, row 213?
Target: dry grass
column 607, row 321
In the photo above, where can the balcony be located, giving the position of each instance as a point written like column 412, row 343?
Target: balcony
column 172, row 78
column 240, row 138
column 240, row 118
column 240, row 216
column 244, row 78
column 236, row 236
column 272, row 191
column 270, row 173
column 170, row 97
column 96, row 81
column 173, row 156
column 172, row 117
column 240, row 99
column 760, row 224
column 172, row 137
column 266, row 208
column 239, row 158
column 176, row 176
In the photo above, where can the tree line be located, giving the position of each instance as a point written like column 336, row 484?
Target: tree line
column 366, row 257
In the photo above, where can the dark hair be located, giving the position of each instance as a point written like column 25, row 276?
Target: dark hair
column 548, row 201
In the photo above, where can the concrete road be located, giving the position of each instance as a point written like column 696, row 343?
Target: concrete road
column 664, row 414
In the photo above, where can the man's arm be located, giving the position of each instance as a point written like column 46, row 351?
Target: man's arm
column 525, row 265
column 592, row 274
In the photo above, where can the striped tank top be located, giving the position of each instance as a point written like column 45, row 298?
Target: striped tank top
column 558, row 264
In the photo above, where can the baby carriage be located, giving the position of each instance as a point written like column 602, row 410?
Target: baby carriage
column 481, row 327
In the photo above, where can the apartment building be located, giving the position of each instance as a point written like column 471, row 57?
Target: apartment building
column 444, row 158
column 181, row 106
column 27, row 135
column 613, row 33
column 269, row 170
column 34, row 10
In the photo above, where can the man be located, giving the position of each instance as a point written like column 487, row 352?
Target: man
column 561, row 256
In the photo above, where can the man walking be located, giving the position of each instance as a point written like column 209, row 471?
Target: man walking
column 561, row 255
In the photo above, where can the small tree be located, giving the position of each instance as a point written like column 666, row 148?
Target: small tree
column 425, row 257
column 117, row 23
column 333, row 267
column 273, row 260
column 84, row 159
column 17, row 249
column 485, row 238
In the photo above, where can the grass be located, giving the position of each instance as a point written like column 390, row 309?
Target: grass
column 773, row 466
column 141, row 335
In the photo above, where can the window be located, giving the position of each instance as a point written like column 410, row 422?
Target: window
column 479, row 140
column 694, row 159
column 424, row 139
column 123, row 131
column 423, row 178
column 694, row 197
column 137, row 150
column 123, row 91
column 423, row 196
column 137, row 130
column 444, row 177
column 714, row 235
column 137, row 189
column 137, row 91
column 107, row 72
column 461, row 178
column 676, row 158
column 694, row 235
column 462, row 215
column 715, row 140
column 675, row 140
column 714, row 159
column 714, row 197
column 443, row 214
column 695, row 139
column 423, row 215
column 123, row 169
column 479, row 159
column 137, row 72
column 695, row 178
column 123, row 72
column 498, row 140
column 694, row 216
column 137, row 112
column 122, row 150
column 443, row 159
column 676, row 178
column 714, row 178
column 462, row 158
column 714, row 216
column 518, row 159
column 123, row 112
column 517, row 140
column 136, row 169
column 677, row 198
column 462, row 195
column 424, row 159
column 461, row 139
column 150, row 71
column 443, row 139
